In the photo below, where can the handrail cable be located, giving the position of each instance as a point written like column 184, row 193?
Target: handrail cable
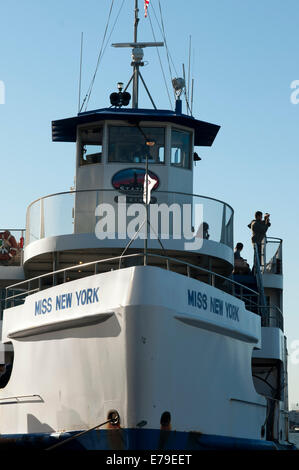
column 94, row 263
column 13, row 229
column 87, row 96
column 164, row 34
column 102, row 52
column 160, row 61
column 169, row 58
column 135, row 255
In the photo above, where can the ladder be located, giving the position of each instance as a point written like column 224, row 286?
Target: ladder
column 260, row 283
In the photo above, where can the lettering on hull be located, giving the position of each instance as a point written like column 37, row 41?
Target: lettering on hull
column 65, row 301
column 217, row 306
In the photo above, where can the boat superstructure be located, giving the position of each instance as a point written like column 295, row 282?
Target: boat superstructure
column 152, row 335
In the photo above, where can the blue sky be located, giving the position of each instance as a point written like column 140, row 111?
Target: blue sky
column 244, row 58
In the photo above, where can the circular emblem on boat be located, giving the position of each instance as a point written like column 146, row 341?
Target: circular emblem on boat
column 131, row 180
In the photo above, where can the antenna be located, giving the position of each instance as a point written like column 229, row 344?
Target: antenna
column 192, row 90
column 80, row 74
column 186, row 93
column 189, row 65
column 184, row 74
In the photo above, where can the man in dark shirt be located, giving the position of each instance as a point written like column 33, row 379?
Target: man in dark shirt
column 259, row 228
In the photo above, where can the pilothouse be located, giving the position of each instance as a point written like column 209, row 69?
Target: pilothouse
column 126, row 301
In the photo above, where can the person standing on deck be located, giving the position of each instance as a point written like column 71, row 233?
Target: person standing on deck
column 259, row 228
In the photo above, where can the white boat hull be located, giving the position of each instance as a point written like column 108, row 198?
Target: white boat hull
column 142, row 346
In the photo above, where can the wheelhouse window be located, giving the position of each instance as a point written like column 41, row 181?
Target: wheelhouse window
column 133, row 144
column 91, row 145
column 180, row 148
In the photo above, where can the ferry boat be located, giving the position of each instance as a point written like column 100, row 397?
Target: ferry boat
column 119, row 334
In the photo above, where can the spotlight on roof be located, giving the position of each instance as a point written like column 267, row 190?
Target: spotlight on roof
column 125, row 98
column 114, row 99
column 121, row 98
column 178, row 85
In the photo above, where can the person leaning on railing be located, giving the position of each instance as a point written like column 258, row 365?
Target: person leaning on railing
column 240, row 264
column 259, row 228
column 8, row 247
column 203, row 231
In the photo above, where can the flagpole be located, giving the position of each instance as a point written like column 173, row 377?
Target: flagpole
column 146, row 209
column 136, row 20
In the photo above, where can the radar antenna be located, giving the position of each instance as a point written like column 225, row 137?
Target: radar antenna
column 137, row 60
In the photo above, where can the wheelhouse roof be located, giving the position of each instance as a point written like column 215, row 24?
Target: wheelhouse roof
column 65, row 130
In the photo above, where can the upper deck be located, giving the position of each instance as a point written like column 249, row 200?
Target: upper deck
column 73, row 224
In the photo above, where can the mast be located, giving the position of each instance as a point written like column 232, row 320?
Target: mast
column 137, row 59
column 80, row 74
column 135, row 63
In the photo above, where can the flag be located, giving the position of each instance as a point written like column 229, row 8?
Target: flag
column 146, row 4
column 150, row 184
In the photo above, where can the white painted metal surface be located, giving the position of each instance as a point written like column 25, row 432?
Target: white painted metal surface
column 273, row 344
column 137, row 346
column 86, row 240
column 274, row 281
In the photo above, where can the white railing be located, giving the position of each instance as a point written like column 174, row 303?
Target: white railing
column 75, row 212
column 272, row 255
column 16, row 293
